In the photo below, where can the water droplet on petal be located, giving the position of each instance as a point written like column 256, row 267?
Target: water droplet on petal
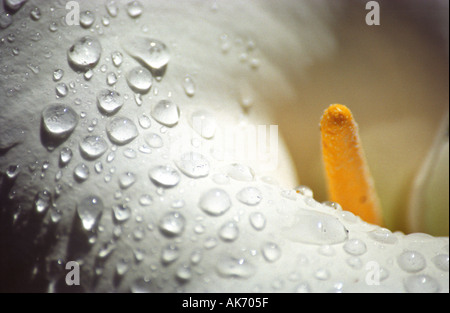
column 153, row 140
column 169, row 254
column 109, row 101
column 166, row 112
column 204, row 124
column 172, row 224
column 355, row 247
column 134, row 9
column 117, row 58
column 92, row 147
column 121, row 130
column 61, row 90
column 411, row 261
column 142, row 285
column 87, row 18
column 184, row 272
column 249, row 196
column 229, row 231
column 189, row 86
column 235, row 267
column 315, row 228
column 126, row 180
column 112, row 8
column 383, row 235
column 81, row 172
column 42, row 201
column 89, row 210
column 240, row 172
column 193, row 164
column 257, row 220
column 215, row 202
column 151, row 52
column 441, row 262
column 59, row 121
column 421, row 284
column 121, row 212
column 58, row 74
column 271, row 251
column 140, row 79
column 84, row 53
column 164, row 176
column 5, row 20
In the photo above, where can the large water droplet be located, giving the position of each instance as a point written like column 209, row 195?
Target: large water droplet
column 84, row 53
column 411, row 261
column 164, row 176
column 193, row 164
column 240, row 172
column 59, row 121
column 121, row 130
column 235, row 267
column 172, row 224
column 229, row 231
column 215, row 202
column 92, row 147
column 204, row 124
column 166, row 112
column 109, row 101
column 315, row 228
column 140, row 79
column 421, row 284
column 89, row 210
column 271, row 251
column 151, row 52
column 249, row 196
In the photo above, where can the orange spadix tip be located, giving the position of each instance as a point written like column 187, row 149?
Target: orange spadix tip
column 349, row 181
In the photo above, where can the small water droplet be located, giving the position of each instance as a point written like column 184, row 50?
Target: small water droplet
column 81, row 172
column 134, row 9
column 193, row 165
column 145, row 200
column 153, row 53
column 117, row 58
column 421, row 284
column 112, row 8
column 215, row 202
column 441, row 262
column 121, row 212
column 121, row 130
column 84, row 53
column 12, row 171
column 189, row 86
column 122, row 267
column 61, row 90
column 235, row 267
column 169, row 254
column 166, row 112
column 153, row 140
column 140, row 79
column 355, row 247
column 172, row 224
column 241, row 172
column 204, row 124
column 42, row 201
column 35, row 13
column 87, row 18
column 411, row 261
column 59, row 121
column 142, row 285
column 111, row 78
column 249, row 196
column 144, row 121
column 315, row 228
column 92, row 147
column 271, row 251
column 229, row 231
column 58, row 74
column 305, row 191
column 109, row 101
column 89, row 210
column 164, row 176
column 126, row 180
column 257, row 220
column 383, row 235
